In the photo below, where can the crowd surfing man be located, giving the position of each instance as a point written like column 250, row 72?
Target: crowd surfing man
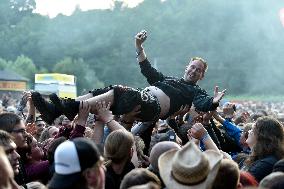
column 165, row 95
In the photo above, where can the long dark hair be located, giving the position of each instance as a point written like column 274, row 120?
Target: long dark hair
column 269, row 133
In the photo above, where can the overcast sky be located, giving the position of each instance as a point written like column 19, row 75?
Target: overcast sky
column 54, row 7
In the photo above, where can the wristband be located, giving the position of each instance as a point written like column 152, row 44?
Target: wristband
column 204, row 137
column 109, row 121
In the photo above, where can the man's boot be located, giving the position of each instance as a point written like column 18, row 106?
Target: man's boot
column 49, row 112
column 69, row 107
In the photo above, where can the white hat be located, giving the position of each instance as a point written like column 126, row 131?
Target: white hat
column 189, row 167
column 71, row 158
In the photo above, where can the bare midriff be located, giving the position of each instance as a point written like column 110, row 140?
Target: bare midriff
column 163, row 99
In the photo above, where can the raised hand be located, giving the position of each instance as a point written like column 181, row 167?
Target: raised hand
column 103, row 112
column 31, row 128
column 206, row 117
column 245, row 116
column 218, row 95
column 198, row 131
column 140, row 38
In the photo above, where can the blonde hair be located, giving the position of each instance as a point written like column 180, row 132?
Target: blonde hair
column 118, row 145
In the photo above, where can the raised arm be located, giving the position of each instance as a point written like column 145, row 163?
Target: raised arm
column 106, row 116
column 31, row 108
column 139, row 40
column 151, row 74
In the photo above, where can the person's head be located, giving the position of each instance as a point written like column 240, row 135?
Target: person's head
column 189, row 167
column 195, row 70
column 35, row 185
column 138, row 177
column 119, row 146
column 40, row 124
column 34, row 153
column 10, row 147
column 89, row 133
column 14, row 125
column 159, row 149
column 255, row 116
column 266, row 138
column 273, row 181
column 149, row 185
column 78, row 164
column 52, row 147
column 228, row 176
column 279, row 166
column 247, row 179
column 6, row 173
column 49, row 132
column 167, row 134
column 245, row 133
column 182, row 132
column 138, row 157
column 65, row 121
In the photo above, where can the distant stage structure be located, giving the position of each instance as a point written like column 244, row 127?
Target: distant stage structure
column 62, row 84
column 12, row 83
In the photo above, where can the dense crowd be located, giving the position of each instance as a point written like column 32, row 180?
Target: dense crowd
column 171, row 134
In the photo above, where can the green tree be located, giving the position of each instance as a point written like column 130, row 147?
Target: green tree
column 86, row 79
column 3, row 64
column 25, row 67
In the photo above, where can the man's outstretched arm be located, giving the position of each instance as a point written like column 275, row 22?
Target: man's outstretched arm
column 139, row 40
column 147, row 70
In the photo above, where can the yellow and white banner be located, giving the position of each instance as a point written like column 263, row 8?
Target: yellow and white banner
column 49, row 78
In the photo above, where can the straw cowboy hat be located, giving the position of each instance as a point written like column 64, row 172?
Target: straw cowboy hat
column 189, row 167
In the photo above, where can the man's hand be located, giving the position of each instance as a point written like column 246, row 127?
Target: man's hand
column 206, row 118
column 198, row 131
column 191, row 139
column 245, row 116
column 104, row 114
column 83, row 114
column 139, row 39
column 218, row 95
column 229, row 110
column 31, row 128
column 27, row 98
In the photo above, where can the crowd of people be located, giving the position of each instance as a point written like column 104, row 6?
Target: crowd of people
column 171, row 135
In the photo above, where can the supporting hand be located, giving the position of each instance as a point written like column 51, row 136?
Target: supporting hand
column 104, row 114
column 218, row 95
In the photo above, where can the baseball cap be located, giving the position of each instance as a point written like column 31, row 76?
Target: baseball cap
column 71, row 158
